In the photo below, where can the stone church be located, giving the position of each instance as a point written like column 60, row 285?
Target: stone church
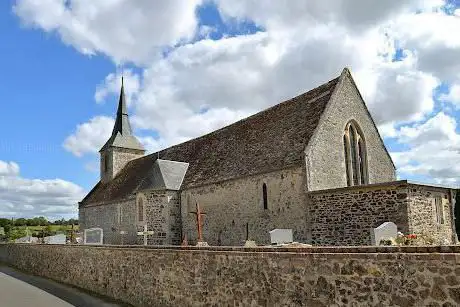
column 315, row 164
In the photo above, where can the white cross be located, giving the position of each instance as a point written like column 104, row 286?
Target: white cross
column 145, row 233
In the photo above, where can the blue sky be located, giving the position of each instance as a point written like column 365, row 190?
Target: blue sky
column 58, row 58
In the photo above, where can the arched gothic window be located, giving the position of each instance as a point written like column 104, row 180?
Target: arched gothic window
column 140, row 209
column 354, row 147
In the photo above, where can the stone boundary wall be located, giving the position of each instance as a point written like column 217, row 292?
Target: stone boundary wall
column 221, row 276
column 345, row 216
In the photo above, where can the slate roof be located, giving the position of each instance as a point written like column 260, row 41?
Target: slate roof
column 270, row 140
column 122, row 135
column 165, row 175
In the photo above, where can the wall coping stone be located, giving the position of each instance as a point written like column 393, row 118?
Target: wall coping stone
column 340, row 250
column 375, row 186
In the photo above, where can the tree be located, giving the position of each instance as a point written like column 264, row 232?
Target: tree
column 17, row 233
column 5, row 222
column 20, row 222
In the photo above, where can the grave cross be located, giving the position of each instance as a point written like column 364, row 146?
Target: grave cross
column 145, row 233
column 199, row 221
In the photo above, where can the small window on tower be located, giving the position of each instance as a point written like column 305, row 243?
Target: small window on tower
column 265, row 197
column 106, row 163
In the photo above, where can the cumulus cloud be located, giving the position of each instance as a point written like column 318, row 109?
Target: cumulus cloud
column 8, row 168
column 434, row 149
column 397, row 56
column 123, row 29
column 24, row 197
column 453, row 96
column 89, row 137
column 112, row 84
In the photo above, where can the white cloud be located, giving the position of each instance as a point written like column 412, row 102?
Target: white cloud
column 356, row 15
column 112, row 84
column 453, row 96
column 8, row 168
column 200, row 86
column 89, row 137
column 23, row 197
column 430, row 36
column 123, row 29
column 434, row 150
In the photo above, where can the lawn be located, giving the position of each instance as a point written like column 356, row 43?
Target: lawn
column 52, row 227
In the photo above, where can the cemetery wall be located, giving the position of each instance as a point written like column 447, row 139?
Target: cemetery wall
column 229, row 205
column 422, row 213
column 174, row 276
column 345, row 216
column 112, row 218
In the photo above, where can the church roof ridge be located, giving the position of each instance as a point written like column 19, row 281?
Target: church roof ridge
column 229, row 126
column 272, row 139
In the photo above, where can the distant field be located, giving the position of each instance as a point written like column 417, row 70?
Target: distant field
column 53, row 227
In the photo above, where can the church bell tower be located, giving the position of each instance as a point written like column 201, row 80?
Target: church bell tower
column 122, row 145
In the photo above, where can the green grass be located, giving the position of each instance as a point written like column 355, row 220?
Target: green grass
column 21, row 231
column 53, row 228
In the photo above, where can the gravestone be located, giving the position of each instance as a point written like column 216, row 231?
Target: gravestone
column 79, row 237
column 281, row 236
column 386, row 231
column 2, row 231
column 26, row 239
column 57, row 239
column 93, row 236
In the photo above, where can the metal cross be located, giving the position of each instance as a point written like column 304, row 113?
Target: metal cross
column 199, row 221
column 145, row 233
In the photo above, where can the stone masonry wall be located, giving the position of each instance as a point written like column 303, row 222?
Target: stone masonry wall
column 231, row 204
column 251, row 277
column 422, row 213
column 345, row 216
column 117, row 159
column 162, row 212
column 325, row 153
column 112, row 218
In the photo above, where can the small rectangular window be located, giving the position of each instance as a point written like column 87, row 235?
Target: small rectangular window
column 265, row 196
column 120, row 214
column 140, row 210
column 439, row 210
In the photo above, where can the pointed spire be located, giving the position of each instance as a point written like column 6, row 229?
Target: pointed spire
column 122, row 122
column 122, row 135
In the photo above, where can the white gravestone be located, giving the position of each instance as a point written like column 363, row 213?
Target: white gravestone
column 386, row 231
column 93, row 236
column 281, row 236
column 57, row 239
column 2, row 231
column 27, row 239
